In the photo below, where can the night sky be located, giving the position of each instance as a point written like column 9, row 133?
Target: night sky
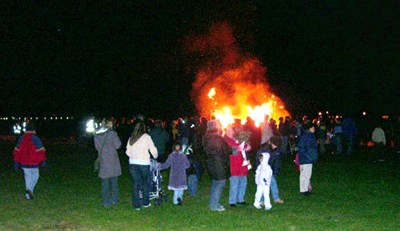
column 126, row 57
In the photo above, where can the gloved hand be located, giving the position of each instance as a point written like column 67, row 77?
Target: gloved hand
column 17, row 166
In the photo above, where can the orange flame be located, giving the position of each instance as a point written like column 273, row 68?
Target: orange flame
column 235, row 86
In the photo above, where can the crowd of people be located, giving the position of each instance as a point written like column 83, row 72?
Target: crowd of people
column 228, row 154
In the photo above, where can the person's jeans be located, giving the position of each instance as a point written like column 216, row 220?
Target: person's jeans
column 338, row 144
column 237, row 189
column 178, row 193
column 349, row 143
column 215, row 193
column 274, row 189
column 31, row 178
column 285, row 143
column 322, row 143
column 192, row 184
column 140, row 181
column 109, row 198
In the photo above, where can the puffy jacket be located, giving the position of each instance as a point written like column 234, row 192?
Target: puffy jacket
column 29, row 151
column 308, row 148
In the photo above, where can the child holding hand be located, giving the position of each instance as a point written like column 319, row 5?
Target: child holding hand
column 177, row 178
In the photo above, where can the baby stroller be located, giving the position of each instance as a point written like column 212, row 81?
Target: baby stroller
column 155, row 188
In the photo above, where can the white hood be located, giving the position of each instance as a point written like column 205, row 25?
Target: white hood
column 265, row 158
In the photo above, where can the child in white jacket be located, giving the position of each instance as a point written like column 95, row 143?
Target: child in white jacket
column 263, row 181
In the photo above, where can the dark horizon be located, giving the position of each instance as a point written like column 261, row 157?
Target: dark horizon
column 128, row 58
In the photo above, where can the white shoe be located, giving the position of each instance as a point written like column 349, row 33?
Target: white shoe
column 27, row 196
column 268, row 207
column 257, row 205
column 146, row 206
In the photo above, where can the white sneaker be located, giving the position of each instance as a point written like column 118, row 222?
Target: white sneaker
column 257, row 205
column 146, row 206
column 268, row 207
column 27, row 196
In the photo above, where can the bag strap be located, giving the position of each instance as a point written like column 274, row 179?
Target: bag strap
column 104, row 144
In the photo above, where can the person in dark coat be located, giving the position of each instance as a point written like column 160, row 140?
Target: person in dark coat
column 217, row 151
column 160, row 138
column 308, row 155
column 106, row 144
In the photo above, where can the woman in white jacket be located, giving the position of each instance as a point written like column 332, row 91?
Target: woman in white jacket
column 139, row 148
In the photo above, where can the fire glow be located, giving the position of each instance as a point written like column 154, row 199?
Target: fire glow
column 234, row 85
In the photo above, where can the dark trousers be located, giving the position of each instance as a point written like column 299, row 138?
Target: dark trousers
column 140, row 181
column 109, row 198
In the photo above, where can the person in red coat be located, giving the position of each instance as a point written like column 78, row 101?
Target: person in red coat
column 238, row 179
column 29, row 154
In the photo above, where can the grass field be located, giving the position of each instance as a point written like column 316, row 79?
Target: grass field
column 351, row 193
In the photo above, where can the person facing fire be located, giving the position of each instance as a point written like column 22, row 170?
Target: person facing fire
column 29, row 154
column 217, row 151
column 107, row 143
column 239, row 171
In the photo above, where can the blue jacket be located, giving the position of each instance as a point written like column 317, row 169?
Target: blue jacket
column 308, row 148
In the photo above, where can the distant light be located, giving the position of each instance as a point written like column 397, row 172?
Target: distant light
column 51, row 118
column 327, row 112
column 37, row 118
column 385, row 117
column 320, row 113
column 364, row 113
column 17, row 129
column 44, row 118
column 67, row 118
column 91, row 126
column 60, row 118
column 56, row 118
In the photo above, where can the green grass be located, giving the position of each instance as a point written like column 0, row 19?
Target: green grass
column 351, row 193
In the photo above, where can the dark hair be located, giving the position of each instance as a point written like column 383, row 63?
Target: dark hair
column 138, row 131
column 277, row 141
column 30, row 126
column 175, row 144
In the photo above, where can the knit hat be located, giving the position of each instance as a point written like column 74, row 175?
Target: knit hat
column 213, row 125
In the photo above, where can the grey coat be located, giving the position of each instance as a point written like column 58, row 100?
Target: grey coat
column 109, row 160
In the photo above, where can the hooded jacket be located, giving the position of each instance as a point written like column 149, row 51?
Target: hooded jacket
column 264, row 171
